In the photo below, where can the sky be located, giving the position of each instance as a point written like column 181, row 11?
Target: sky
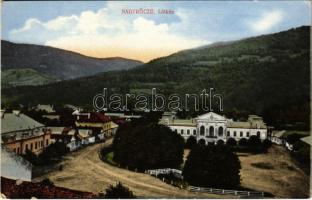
column 100, row 29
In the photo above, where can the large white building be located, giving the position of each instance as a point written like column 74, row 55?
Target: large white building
column 211, row 127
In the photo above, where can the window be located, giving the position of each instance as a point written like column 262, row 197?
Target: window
column 202, row 130
column 188, row 131
column 247, row 134
column 241, row 134
column 47, row 142
column 194, row 132
column 26, row 146
column 211, row 130
column 41, row 143
column 220, row 131
column 31, row 146
column 36, row 145
column 18, row 150
column 182, row 132
column 234, row 134
column 228, row 133
column 14, row 150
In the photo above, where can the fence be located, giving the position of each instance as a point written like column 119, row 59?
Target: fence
column 221, row 191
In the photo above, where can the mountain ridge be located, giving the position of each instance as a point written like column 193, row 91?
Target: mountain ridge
column 58, row 63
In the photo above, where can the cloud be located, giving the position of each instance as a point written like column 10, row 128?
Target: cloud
column 106, row 33
column 267, row 21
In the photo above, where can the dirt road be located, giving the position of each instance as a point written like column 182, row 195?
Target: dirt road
column 83, row 170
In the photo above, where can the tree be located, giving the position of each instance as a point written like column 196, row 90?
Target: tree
column 220, row 142
column 51, row 153
column 293, row 138
column 202, row 142
column 231, row 142
column 118, row 192
column 254, row 141
column 212, row 166
column 31, row 157
column 145, row 144
column 266, row 144
column 243, row 142
column 190, row 142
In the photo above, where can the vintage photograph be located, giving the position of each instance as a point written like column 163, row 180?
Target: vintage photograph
column 155, row 99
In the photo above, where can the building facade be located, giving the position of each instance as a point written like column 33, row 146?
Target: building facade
column 211, row 127
column 20, row 132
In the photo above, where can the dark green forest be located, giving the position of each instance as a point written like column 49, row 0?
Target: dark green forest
column 267, row 75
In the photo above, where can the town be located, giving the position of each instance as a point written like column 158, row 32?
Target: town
column 33, row 152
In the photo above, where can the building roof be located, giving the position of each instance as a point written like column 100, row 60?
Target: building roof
column 279, row 134
column 247, row 125
column 114, row 125
column 56, row 129
column 44, row 191
column 11, row 122
column 307, row 139
column 47, row 108
column 178, row 122
column 93, row 117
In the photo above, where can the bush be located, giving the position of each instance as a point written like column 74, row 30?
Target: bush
column 220, row 142
column 47, row 182
column 266, row 144
column 243, row 142
column 190, row 142
column 202, row 142
column 52, row 153
column 118, row 192
column 212, row 166
column 293, row 138
column 231, row 142
column 254, row 141
column 146, row 144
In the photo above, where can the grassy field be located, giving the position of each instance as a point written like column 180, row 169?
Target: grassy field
column 18, row 77
column 274, row 172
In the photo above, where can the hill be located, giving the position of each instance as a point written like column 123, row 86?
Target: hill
column 57, row 63
column 18, row 77
column 267, row 75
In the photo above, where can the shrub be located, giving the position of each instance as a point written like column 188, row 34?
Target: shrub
column 212, row 166
column 202, row 142
column 231, row 142
column 220, row 142
column 243, row 142
column 118, row 192
column 266, row 144
column 293, row 138
column 47, row 182
column 254, row 141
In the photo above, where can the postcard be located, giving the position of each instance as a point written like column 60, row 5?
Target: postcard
column 155, row 99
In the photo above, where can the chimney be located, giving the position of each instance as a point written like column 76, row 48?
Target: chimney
column 2, row 113
column 16, row 112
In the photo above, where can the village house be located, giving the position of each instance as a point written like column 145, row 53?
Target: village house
column 211, row 127
column 101, row 124
column 20, row 132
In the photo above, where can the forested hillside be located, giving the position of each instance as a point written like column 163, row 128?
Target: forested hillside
column 267, row 75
